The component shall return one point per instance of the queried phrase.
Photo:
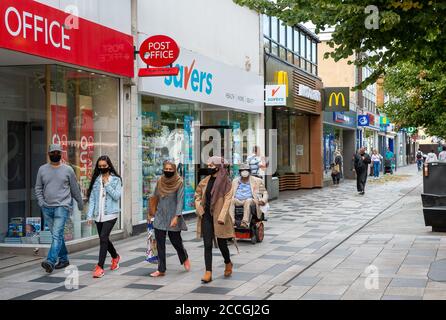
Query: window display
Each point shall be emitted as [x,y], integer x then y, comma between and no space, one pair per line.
[49,104]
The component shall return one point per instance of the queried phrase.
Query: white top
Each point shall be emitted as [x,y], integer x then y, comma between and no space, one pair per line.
[431,157]
[102,217]
[442,156]
[376,158]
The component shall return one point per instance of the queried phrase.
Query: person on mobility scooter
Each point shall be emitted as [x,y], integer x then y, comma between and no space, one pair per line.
[249,194]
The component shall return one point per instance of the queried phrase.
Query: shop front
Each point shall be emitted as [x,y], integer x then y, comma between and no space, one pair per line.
[299,127]
[339,135]
[209,108]
[54,88]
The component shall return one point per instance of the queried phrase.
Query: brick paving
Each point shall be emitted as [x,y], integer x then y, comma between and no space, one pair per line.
[319,244]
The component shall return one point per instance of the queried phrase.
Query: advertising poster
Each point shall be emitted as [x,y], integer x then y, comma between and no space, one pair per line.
[59,122]
[189,169]
[86,152]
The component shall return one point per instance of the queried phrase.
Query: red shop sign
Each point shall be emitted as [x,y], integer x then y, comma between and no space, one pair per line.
[31,27]
[159,51]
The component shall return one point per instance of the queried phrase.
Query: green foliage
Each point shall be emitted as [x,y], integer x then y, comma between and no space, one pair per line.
[419,96]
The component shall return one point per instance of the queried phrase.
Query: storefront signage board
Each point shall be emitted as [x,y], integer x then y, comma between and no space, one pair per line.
[309,93]
[336,99]
[275,95]
[363,120]
[201,79]
[34,28]
[159,52]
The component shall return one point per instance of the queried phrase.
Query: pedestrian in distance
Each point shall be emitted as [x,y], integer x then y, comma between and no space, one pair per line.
[431,157]
[420,159]
[104,194]
[55,188]
[169,217]
[442,155]
[361,164]
[212,200]
[335,173]
[376,162]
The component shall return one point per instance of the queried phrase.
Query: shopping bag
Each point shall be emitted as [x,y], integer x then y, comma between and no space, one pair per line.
[151,252]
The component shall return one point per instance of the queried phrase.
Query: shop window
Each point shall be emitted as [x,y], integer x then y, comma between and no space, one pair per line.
[167,134]
[56,104]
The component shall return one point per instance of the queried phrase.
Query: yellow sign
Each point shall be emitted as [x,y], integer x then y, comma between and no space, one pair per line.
[337,97]
[281,78]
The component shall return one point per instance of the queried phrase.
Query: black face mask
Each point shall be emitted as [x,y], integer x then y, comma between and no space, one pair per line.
[209,171]
[169,174]
[55,158]
[104,170]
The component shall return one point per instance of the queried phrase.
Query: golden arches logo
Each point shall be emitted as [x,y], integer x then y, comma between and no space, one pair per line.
[337,97]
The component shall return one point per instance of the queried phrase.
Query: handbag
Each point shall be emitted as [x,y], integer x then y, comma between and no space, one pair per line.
[153,205]
[152,250]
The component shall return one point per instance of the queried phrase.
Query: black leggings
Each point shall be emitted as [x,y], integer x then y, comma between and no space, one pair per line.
[207,228]
[104,230]
[177,242]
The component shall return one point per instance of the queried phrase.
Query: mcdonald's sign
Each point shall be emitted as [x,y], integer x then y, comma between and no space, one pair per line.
[336,99]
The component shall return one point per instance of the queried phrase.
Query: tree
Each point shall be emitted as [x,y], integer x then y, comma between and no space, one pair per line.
[418,96]
[406,30]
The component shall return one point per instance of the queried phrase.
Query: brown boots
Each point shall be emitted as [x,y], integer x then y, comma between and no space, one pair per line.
[228,269]
[207,277]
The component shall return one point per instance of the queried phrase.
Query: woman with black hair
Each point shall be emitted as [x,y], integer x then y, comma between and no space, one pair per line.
[104,194]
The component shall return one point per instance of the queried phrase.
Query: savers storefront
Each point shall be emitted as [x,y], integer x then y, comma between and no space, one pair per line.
[60,82]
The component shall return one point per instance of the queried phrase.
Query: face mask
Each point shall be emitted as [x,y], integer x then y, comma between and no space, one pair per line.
[210,171]
[55,158]
[169,174]
[104,170]
[244,174]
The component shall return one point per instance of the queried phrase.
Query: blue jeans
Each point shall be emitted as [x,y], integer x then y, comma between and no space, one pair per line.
[419,164]
[55,218]
[376,169]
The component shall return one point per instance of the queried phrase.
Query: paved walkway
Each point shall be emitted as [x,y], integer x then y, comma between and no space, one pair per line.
[327,243]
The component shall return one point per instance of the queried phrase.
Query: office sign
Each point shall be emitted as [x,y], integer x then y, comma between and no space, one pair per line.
[160,52]
[363,121]
[336,99]
[34,28]
[275,95]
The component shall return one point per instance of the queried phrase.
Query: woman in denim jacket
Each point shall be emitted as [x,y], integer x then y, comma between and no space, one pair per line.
[104,194]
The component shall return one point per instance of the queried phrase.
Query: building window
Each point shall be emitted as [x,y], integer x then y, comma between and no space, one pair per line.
[267,26]
[289,35]
[274,30]
[282,35]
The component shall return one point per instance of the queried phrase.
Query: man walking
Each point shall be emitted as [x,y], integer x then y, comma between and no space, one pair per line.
[420,158]
[56,186]
[361,163]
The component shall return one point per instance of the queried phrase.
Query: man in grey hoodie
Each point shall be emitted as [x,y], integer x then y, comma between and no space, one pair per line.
[56,186]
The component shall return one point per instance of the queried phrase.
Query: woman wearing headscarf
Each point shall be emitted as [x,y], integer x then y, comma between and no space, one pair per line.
[169,217]
[212,200]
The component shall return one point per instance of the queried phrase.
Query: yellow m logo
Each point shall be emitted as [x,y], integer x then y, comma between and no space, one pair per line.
[337,97]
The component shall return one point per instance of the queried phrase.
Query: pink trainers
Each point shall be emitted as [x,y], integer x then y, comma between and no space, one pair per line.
[98,272]
[115,263]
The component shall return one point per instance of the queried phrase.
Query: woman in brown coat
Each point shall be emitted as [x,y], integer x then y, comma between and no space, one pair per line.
[212,200]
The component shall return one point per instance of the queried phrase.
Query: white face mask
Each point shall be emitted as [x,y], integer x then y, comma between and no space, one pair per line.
[244,174]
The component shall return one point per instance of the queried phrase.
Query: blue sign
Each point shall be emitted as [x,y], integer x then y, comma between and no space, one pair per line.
[363,121]
[340,117]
